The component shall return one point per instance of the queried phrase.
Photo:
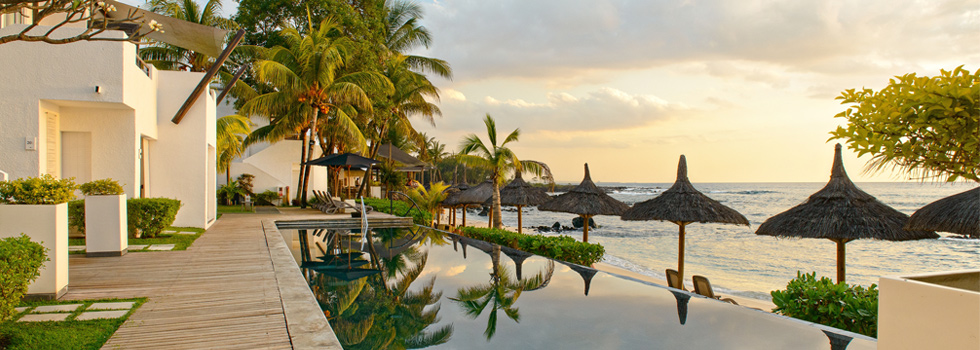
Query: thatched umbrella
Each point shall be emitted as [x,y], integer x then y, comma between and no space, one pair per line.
[452,193]
[519,193]
[682,204]
[959,213]
[474,195]
[586,200]
[841,213]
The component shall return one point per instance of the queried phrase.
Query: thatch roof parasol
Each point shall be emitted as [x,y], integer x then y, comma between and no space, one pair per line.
[586,200]
[841,213]
[959,213]
[519,194]
[473,195]
[682,204]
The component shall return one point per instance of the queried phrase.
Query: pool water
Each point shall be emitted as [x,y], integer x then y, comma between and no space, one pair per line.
[414,288]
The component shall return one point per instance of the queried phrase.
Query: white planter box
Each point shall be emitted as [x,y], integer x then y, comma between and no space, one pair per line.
[48,225]
[930,311]
[105,226]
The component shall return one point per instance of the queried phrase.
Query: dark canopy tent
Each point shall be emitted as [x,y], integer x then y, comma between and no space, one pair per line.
[841,212]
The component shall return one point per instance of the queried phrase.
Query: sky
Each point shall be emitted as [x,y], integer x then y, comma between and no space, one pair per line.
[744,89]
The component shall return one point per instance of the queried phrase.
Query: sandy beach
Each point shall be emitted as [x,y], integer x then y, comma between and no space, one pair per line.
[623,273]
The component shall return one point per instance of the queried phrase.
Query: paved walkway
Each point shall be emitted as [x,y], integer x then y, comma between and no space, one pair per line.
[232,289]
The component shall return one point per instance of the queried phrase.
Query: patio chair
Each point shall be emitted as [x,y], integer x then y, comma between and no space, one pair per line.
[674,280]
[340,205]
[703,287]
[324,203]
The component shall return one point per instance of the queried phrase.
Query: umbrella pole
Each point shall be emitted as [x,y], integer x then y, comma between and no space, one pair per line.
[464,215]
[520,222]
[840,259]
[680,254]
[585,232]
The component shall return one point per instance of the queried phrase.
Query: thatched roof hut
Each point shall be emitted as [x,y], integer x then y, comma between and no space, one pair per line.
[682,204]
[959,213]
[586,200]
[519,194]
[841,212]
[474,195]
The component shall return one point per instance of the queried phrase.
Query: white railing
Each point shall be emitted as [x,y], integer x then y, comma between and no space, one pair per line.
[3,176]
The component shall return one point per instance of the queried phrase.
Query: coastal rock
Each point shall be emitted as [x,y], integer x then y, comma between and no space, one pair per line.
[577,222]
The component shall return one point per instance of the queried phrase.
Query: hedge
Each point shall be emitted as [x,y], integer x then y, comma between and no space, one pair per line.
[20,260]
[839,305]
[398,208]
[562,248]
[76,215]
[37,190]
[104,187]
[150,216]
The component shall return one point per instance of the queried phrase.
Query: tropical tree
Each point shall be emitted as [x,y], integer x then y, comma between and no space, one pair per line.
[63,12]
[501,293]
[498,159]
[306,84]
[230,136]
[926,126]
[429,199]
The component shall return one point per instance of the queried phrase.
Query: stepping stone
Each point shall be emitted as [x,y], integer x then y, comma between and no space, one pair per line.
[137,247]
[56,308]
[159,247]
[122,305]
[168,232]
[44,317]
[76,248]
[22,309]
[92,315]
[186,233]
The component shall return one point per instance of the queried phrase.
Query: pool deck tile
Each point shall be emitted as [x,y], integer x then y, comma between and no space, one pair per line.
[231,289]
[93,315]
[56,308]
[44,317]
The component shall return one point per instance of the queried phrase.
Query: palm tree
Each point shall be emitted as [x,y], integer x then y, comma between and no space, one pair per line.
[501,293]
[498,159]
[429,199]
[304,77]
[230,135]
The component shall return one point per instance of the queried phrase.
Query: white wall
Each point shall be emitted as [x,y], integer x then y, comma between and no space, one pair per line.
[276,166]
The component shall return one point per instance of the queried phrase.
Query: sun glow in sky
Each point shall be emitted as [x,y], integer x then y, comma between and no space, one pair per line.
[745,89]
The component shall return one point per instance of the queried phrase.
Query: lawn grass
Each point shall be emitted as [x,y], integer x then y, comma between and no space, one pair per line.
[180,242]
[226,209]
[90,334]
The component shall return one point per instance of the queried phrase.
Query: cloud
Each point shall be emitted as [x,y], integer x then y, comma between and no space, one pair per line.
[569,39]
[602,109]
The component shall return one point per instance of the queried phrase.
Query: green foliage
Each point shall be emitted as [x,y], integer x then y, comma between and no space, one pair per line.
[926,126]
[228,192]
[37,190]
[150,216]
[848,307]
[20,260]
[562,248]
[398,208]
[268,197]
[391,178]
[76,215]
[64,335]
[429,199]
[244,182]
[101,188]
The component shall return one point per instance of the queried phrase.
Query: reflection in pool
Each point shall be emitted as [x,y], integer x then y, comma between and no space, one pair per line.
[415,288]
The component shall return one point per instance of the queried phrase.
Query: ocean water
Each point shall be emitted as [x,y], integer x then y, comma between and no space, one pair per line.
[737,261]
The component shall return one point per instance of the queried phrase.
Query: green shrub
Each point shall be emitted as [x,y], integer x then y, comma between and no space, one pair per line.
[20,260]
[76,215]
[848,307]
[104,187]
[398,208]
[227,193]
[37,190]
[150,216]
[562,248]
[268,197]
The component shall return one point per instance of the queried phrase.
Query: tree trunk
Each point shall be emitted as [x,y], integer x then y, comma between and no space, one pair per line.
[302,159]
[309,157]
[496,203]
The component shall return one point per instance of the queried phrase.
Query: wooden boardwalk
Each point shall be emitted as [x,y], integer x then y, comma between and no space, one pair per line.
[224,292]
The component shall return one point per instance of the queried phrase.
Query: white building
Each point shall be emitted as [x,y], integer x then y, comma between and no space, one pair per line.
[92,110]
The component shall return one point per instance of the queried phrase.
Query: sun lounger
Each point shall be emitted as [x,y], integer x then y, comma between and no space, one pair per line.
[703,287]
[674,280]
[341,205]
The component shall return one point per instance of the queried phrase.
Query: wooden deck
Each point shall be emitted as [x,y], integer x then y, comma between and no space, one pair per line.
[234,288]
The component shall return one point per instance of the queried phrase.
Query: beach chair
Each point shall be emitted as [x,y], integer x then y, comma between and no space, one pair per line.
[703,287]
[341,205]
[674,280]
[324,203]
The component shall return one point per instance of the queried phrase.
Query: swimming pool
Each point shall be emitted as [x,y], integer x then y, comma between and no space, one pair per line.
[418,287]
